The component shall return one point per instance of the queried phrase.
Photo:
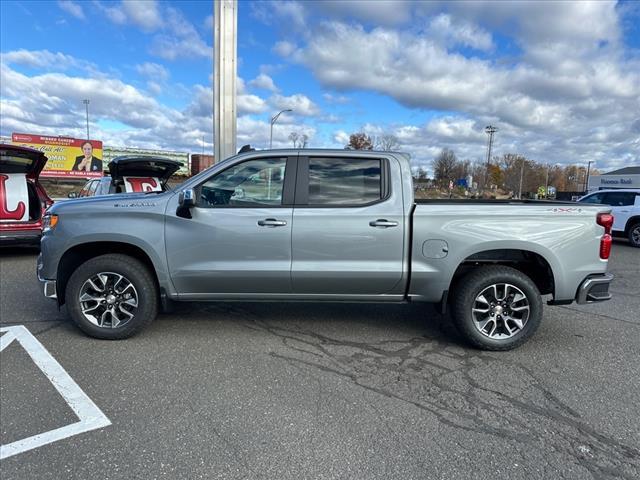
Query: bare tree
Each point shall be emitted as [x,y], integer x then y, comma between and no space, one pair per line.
[387,142]
[293,136]
[444,166]
[359,141]
[299,140]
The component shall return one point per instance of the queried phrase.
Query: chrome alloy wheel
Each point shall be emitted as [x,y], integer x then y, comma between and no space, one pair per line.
[500,311]
[108,300]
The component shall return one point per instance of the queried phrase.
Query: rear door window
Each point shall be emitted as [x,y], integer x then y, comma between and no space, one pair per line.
[619,199]
[345,181]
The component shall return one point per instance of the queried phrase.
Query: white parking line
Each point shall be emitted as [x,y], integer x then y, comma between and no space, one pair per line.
[91,417]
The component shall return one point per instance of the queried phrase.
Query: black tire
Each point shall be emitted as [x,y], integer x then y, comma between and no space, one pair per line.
[136,273]
[471,285]
[634,235]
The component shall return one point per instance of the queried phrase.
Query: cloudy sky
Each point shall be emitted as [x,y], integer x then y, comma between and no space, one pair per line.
[561,81]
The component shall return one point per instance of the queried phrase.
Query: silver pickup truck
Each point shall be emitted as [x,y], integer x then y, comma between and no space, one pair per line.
[322,225]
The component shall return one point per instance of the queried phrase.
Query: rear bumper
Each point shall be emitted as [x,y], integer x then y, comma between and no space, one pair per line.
[595,288]
[20,237]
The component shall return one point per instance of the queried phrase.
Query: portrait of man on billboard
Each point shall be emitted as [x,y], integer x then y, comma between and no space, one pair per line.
[87,162]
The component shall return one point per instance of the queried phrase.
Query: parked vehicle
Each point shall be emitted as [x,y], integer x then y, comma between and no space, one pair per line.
[322,225]
[131,175]
[23,200]
[625,207]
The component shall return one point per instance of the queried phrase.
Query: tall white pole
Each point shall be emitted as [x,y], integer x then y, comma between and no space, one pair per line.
[225,45]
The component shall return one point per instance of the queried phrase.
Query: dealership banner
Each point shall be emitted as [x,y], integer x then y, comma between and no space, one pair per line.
[68,157]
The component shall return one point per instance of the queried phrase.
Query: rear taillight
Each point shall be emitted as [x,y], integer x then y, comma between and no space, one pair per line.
[605,246]
[605,220]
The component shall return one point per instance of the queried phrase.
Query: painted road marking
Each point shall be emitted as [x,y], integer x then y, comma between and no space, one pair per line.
[91,417]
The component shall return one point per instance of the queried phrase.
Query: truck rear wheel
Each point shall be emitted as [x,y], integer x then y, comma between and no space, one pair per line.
[497,308]
[112,297]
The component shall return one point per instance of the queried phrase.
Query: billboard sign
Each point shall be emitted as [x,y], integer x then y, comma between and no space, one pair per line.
[68,157]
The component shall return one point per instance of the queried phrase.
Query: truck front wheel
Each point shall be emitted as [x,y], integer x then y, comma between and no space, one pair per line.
[112,296]
[496,308]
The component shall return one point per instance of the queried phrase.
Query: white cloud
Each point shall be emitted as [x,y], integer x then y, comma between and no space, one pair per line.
[284,48]
[43,59]
[291,14]
[256,132]
[115,14]
[179,39]
[549,102]
[143,13]
[336,99]
[341,137]
[299,103]
[248,103]
[379,12]
[153,71]
[175,37]
[72,8]
[263,81]
[154,87]
[208,22]
[453,33]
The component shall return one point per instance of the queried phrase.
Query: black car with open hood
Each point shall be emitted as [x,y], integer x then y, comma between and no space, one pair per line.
[129,166]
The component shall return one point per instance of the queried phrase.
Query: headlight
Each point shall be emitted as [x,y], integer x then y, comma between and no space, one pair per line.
[49,222]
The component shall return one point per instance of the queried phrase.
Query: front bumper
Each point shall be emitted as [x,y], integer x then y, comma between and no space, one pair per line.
[595,288]
[49,287]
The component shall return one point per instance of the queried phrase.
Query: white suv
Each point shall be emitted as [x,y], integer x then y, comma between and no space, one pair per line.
[625,206]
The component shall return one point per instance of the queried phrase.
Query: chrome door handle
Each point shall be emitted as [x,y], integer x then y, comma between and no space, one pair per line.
[272,222]
[381,222]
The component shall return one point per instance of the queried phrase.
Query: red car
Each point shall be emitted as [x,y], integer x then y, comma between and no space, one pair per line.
[22,198]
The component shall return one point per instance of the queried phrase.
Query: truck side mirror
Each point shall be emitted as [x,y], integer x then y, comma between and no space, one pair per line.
[72,195]
[186,200]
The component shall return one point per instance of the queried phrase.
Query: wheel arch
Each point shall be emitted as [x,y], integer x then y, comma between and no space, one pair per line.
[80,253]
[530,263]
[630,222]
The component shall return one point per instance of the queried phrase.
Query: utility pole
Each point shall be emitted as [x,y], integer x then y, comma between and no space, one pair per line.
[489,129]
[521,176]
[225,45]
[86,104]
[274,119]
[586,180]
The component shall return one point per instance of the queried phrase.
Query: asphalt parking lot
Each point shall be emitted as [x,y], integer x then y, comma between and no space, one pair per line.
[292,391]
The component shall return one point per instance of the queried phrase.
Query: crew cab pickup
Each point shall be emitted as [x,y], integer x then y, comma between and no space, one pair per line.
[322,225]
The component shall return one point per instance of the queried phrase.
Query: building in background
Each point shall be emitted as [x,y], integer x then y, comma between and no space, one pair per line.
[627,177]
[200,162]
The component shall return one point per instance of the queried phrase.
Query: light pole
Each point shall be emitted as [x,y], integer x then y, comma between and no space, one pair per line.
[586,180]
[86,104]
[274,119]
[490,129]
